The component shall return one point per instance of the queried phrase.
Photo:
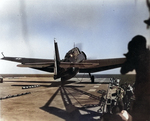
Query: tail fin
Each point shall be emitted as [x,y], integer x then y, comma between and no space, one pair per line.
[57,61]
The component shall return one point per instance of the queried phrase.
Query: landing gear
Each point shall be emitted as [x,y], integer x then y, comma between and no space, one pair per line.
[92,78]
[63,81]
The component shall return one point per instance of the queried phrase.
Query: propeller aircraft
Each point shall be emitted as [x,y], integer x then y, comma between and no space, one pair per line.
[75,61]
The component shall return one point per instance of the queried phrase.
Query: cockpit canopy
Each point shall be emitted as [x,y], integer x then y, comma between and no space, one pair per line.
[74,55]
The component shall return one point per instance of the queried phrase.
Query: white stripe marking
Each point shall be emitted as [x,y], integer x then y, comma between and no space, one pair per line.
[92,90]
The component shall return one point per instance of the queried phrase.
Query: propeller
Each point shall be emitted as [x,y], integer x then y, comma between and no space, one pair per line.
[79,45]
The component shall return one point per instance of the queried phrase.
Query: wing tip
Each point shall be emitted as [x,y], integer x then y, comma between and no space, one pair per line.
[3,54]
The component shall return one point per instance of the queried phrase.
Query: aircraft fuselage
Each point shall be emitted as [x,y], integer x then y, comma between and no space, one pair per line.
[73,56]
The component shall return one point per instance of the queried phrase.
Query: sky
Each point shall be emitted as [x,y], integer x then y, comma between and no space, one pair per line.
[102,27]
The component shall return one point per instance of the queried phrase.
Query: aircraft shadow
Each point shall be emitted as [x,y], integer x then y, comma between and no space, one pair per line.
[93,83]
[30,81]
[34,81]
[72,113]
[52,83]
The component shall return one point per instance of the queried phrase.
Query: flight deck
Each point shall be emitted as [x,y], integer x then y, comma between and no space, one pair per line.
[44,99]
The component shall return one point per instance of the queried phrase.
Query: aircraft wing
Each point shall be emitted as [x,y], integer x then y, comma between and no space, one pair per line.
[90,66]
[86,66]
[40,64]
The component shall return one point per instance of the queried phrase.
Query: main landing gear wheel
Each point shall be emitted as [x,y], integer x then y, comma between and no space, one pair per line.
[92,78]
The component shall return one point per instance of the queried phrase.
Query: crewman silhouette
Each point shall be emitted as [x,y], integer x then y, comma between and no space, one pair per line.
[138,58]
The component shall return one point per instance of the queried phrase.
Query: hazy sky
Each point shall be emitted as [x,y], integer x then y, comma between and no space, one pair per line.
[104,27]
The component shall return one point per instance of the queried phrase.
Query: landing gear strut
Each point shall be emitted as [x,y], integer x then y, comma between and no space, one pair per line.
[92,78]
